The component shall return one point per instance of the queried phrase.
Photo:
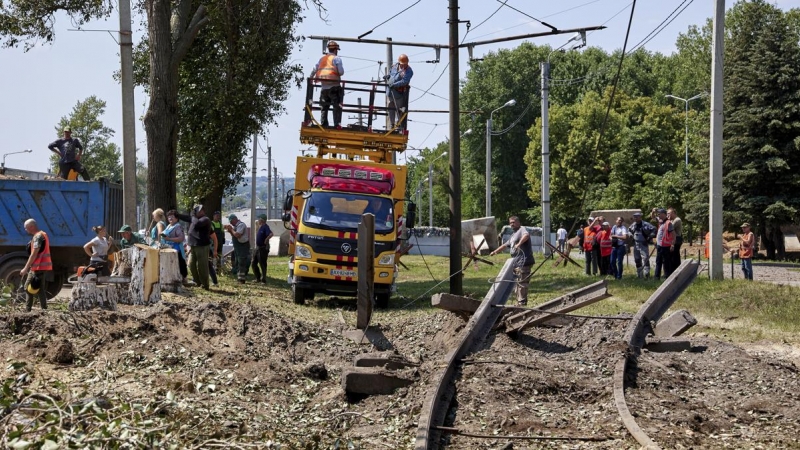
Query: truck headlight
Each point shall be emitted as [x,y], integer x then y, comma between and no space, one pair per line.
[387,260]
[302,252]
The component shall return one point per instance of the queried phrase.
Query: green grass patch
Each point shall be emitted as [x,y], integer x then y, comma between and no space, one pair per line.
[734,309]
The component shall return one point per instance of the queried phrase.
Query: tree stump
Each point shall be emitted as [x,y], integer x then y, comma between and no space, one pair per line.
[87,294]
[169,272]
[144,288]
[122,263]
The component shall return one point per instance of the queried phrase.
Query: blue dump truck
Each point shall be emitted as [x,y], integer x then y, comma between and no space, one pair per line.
[66,211]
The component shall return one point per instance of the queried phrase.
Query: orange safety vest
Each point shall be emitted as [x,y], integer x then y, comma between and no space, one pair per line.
[746,248]
[605,242]
[326,69]
[668,238]
[42,261]
[588,237]
[708,244]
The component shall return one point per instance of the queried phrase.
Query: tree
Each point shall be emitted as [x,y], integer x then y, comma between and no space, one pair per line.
[233,83]
[100,157]
[762,126]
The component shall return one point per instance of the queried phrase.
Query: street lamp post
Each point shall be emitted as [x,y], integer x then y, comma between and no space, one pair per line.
[545,67]
[511,102]
[686,110]
[3,165]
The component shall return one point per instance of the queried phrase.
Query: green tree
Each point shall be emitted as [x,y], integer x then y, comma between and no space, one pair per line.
[234,82]
[762,126]
[100,157]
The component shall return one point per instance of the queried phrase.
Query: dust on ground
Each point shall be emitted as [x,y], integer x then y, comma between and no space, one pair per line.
[219,374]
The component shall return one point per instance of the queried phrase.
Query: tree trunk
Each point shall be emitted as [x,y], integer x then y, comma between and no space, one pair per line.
[161,118]
[772,240]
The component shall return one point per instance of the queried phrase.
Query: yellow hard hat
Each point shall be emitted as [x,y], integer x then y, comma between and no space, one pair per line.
[35,285]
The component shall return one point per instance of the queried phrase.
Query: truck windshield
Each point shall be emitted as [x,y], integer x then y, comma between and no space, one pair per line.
[342,211]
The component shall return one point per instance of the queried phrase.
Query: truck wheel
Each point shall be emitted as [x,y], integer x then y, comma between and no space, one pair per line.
[308,294]
[299,295]
[54,287]
[9,272]
[382,300]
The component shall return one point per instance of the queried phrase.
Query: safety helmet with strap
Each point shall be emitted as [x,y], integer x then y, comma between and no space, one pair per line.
[333,46]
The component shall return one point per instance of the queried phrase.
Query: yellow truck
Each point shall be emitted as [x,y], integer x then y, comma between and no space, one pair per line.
[351,174]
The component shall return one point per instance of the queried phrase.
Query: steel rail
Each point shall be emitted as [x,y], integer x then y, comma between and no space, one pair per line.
[640,326]
[437,400]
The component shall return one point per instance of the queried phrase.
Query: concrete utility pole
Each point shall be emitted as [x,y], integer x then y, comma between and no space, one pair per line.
[253,228]
[275,183]
[715,158]
[389,60]
[545,66]
[455,158]
[128,114]
[269,182]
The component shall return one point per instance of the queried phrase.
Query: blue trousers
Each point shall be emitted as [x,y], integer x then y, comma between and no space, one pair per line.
[617,258]
[747,268]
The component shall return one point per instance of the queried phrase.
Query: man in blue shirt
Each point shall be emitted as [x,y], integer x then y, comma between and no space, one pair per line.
[68,157]
[397,88]
[263,236]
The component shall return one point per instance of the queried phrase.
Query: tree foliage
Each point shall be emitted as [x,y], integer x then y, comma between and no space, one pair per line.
[100,157]
[232,84]
[762,126]
[31,21]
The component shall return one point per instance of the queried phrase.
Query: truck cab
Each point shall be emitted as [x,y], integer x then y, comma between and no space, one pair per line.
[352,174]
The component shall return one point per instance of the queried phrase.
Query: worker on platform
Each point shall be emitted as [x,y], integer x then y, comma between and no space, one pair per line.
[37,266]
[397,89]
[329,70]
[69,151]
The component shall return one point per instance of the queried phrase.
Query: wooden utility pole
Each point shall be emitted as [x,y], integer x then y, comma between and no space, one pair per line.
[456,276]
[366,270]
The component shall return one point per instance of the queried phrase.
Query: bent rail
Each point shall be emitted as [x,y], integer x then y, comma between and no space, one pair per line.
[650,312]
[480,324]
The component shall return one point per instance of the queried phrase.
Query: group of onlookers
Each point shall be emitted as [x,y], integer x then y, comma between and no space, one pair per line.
[605,245]
[199,250]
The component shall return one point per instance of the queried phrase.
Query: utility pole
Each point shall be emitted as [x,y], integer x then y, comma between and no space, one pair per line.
[253,228]
[715,158]
[455,158]
[488,206]
[389,60]
[545,65]
[269,181]
[275,185]
[128,114]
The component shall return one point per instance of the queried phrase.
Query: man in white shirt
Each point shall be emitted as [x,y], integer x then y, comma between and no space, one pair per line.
[241,246]
[561,235]
[619,237]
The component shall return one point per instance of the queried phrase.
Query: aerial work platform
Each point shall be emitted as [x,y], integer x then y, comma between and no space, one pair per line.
[356,141]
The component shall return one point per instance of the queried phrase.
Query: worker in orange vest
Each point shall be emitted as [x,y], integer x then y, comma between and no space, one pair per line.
[589,242]
[604,238]
[38,265]
[329,71]
[746,251]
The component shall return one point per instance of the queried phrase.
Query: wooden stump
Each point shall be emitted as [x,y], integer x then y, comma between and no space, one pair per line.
[144,288]
[122,263]
[169,272]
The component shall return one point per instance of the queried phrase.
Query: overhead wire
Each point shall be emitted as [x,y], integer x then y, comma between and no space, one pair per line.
[655,33]
[390,18]
[543,17]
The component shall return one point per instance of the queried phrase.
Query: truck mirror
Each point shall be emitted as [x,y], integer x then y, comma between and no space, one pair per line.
[411,215]
[287,204]
[286,217]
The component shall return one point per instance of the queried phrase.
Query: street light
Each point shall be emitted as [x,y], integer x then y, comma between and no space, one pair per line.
[686,104]
[430,186]
[511,102]
[545,67]
[3,165]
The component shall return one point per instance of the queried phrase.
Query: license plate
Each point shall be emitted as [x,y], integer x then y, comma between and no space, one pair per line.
[343,273]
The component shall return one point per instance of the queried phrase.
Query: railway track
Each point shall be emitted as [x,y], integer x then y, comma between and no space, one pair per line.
[436,428]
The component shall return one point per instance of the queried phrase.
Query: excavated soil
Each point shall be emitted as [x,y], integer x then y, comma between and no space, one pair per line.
[245,374]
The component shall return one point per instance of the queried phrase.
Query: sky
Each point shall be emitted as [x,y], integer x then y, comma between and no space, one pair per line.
[42,85]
